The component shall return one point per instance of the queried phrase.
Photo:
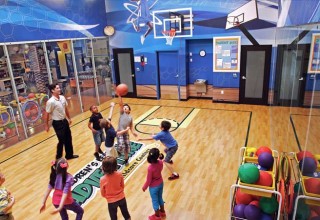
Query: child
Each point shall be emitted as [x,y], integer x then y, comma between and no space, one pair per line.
[94,126]
[61,181]
[125,121]
[6,201]
[111,134]
[155,183]
[171,146]
[112,188]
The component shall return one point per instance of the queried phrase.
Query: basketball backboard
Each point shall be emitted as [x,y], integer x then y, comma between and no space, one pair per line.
[243,14]
[179,19]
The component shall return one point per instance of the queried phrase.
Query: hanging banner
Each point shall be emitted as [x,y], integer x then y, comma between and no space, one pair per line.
[314,58]
[226,54]
[64,46]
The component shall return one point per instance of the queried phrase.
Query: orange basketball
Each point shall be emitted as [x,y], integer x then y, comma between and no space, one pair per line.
[122,89]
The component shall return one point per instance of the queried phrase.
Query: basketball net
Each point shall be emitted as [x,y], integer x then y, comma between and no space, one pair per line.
[169,35]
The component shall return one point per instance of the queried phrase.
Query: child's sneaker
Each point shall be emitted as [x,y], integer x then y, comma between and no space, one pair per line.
[162,214]
[96,155]
[101,152]
[173,177]
[154,217]
[171,162]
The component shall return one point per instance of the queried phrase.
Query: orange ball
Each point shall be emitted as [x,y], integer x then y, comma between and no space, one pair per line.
[122,89]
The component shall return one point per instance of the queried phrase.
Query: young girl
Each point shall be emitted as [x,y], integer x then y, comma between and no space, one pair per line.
[112,188]
[6,201]
[155,183]
[61,181]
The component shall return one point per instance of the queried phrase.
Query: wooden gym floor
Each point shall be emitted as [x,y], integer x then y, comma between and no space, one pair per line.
[209,138]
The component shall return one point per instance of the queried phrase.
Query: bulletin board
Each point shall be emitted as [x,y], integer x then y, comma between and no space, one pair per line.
[226,54]
[314,59]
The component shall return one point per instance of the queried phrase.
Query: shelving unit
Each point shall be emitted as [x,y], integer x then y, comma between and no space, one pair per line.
[5,84]
[8,126]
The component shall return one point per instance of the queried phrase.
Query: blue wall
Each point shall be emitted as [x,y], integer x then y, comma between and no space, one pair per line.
[209,21]
[33,20]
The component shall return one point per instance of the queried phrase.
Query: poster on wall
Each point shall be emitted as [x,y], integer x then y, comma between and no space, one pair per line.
[226,54]
[314,59]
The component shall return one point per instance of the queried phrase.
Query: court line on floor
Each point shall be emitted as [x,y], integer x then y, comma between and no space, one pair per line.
[54,135]
[248,130]
[34,145]
[295,133]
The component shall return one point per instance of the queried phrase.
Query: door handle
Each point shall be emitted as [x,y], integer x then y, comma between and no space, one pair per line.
[301,79]
[132,75]
[243,77]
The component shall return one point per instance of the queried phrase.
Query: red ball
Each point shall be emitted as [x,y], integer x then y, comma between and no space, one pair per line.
[8,131]
[312,185]
[21,98]
[315,208]
[265,179]
[255,203]
[263,149]
[122,89]
[27,113]
[34,112]
[31,95]
[303,154]
[243,198]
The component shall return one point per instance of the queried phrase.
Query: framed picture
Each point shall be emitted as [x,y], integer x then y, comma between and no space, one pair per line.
[226,54]
[314,58]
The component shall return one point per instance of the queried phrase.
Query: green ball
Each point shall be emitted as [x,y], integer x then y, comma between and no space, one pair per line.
[268,205]
[11,125]
[303,211]
[297,188]
[248,173]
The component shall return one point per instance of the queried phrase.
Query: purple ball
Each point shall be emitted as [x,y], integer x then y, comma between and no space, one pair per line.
[266,160]
[252,212]
[238,211]
[307,166]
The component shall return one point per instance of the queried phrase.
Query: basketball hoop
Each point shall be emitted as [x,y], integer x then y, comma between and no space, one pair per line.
[233,21]
[169,35]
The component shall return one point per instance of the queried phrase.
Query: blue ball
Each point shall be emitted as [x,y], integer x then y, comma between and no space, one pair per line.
[266,217]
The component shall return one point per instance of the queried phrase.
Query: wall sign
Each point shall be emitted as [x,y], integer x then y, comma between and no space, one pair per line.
[314,59]
[226,54]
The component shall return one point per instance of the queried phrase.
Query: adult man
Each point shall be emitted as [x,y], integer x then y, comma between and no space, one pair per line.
[57,107]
